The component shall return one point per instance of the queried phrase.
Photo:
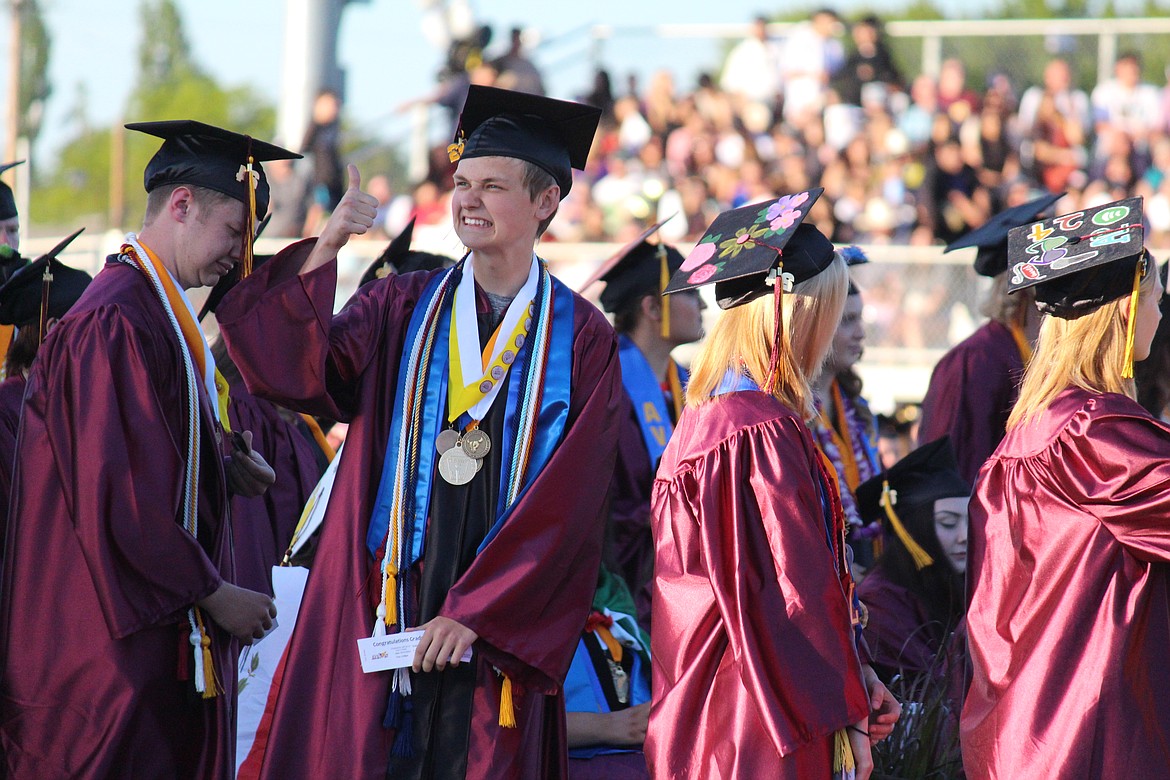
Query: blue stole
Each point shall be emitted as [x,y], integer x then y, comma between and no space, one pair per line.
[645,392]
[550,389]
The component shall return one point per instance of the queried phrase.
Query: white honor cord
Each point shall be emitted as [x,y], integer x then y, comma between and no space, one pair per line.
[467,326]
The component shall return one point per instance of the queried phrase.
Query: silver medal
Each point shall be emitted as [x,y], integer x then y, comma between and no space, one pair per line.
[476,444]
[456,468]
[446,440]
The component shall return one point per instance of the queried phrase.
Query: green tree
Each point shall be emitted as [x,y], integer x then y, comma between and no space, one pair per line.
[34,68]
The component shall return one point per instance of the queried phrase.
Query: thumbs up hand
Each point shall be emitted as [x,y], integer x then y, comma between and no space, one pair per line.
[354,215]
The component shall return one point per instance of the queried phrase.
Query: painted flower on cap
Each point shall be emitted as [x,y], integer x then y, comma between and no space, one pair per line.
[703,274]
[745,238]
[700,254]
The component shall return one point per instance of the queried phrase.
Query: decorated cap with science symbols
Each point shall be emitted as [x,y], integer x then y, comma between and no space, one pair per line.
[1078,262]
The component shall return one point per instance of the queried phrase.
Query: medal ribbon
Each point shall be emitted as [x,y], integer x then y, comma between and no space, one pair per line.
[485,369]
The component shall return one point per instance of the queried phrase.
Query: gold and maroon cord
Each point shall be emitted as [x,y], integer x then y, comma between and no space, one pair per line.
[250,222]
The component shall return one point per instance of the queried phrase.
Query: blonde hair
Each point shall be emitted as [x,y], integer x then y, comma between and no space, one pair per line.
[741,340]
[1087,352]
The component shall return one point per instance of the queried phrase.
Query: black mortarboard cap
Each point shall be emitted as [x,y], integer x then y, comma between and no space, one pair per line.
[742,247]
[928,473]
[1079,261]
[991,237]
[398,258]
[20,297]
[7,200]
[552,134]
[203,155]
[635,270]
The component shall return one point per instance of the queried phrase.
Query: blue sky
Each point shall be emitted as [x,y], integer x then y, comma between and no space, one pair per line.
[381,46]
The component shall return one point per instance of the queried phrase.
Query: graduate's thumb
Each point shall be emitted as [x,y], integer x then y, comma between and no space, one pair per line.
[355,178]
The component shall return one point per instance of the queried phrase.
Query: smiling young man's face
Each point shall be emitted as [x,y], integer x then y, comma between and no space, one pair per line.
[491,207]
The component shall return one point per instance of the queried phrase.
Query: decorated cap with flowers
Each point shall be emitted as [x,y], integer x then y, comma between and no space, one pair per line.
[746,250]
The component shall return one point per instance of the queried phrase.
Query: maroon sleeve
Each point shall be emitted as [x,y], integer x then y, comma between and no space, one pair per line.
[775,584]
[528,592]
[117,448]
[290,348]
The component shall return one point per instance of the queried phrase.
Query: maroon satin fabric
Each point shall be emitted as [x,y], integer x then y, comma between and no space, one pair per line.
[527,594]
[264,525]
[1070,621]
[754,661]
[11,398]
[971,393]
[629,549]
[99,571]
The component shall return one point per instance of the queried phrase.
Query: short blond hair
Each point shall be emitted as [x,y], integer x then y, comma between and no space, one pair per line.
[741,340]
[1086,352]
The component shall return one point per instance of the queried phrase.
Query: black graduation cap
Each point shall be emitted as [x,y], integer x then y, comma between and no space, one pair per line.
[552,134]
[398,258]
[635,270]
[743,246]
[7,200]
[21,295]
[207,156]
[1079,261]
[991,237]
[925,475]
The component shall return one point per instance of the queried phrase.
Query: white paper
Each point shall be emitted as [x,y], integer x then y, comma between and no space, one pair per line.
[393,651]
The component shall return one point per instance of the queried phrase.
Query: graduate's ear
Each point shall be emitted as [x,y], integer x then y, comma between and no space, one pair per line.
[547,203]
[652,308]
[180,204]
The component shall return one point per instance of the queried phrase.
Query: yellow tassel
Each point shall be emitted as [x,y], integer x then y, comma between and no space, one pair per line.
[224,400]
[391,594]
[663,280]
[507,710]
[455,150]
[250,228]
[210,683]
[921,557]
[1127,368]
[842,753]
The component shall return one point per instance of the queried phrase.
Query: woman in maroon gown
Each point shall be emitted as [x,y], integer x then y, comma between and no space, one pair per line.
[1070,617]
[914,594]
[755,665]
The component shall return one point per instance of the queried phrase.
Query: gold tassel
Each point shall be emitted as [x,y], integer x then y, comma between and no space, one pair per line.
[391,594]
[210,683]
[507,710]
[842,753]
[921,557]
[663,280]
[250,228]
[1127,368]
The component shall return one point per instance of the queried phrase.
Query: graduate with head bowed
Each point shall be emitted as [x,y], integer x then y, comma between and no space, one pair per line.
[120,529]
[754,645]
[1070,616]
[649,327]
[974,385]
[914,595]
[468,502]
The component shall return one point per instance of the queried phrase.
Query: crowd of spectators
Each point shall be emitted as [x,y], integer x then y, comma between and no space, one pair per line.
[904,158]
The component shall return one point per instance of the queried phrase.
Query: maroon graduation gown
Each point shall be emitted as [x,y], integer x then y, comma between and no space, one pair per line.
[99,571]
[900,633]
[1070,620]
[264,525]
[629,544]
[526,595]
[754,659]
[11,398]
[971,393]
